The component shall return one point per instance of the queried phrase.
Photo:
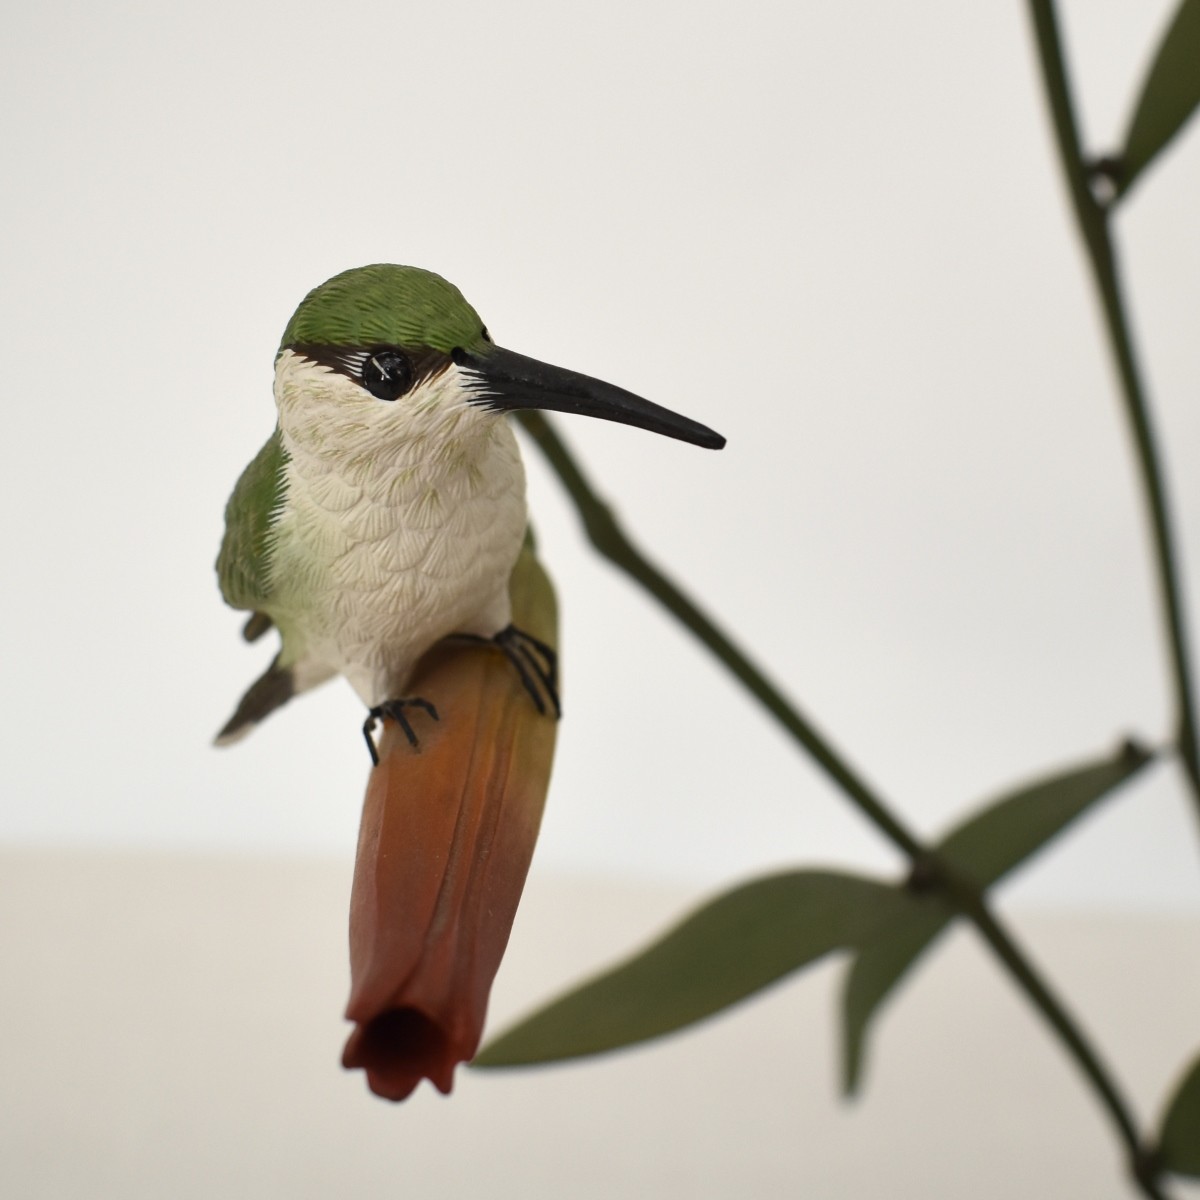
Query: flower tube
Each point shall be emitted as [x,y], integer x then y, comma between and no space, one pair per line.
[447,835]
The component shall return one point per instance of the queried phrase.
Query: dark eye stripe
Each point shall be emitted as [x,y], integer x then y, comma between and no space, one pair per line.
[349,360]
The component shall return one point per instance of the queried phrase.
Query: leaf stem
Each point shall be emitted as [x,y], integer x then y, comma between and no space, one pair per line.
[1140,1161]
[610,540]
[1092,216]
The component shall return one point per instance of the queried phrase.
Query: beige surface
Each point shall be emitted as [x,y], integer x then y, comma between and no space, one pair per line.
[171,1027]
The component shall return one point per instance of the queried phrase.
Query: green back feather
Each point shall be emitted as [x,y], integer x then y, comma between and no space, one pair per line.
[386,305]
[242,565]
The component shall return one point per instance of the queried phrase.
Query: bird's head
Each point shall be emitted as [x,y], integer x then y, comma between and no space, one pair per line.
[390,352]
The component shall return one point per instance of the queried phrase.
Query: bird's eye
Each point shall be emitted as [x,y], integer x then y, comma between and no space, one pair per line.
[387,373]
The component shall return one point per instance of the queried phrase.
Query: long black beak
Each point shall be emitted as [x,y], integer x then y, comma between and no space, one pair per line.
[507,380]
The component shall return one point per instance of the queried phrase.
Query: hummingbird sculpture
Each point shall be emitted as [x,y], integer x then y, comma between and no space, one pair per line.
[387,510]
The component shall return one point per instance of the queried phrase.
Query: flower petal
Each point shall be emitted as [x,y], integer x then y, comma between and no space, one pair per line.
[447,835]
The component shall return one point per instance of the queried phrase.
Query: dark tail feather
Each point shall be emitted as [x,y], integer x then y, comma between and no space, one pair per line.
[267,693]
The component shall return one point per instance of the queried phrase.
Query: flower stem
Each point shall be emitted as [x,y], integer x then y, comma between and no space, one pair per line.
[610,540]
[1092,216]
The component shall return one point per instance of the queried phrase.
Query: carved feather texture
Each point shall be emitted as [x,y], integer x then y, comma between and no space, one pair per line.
[402,523]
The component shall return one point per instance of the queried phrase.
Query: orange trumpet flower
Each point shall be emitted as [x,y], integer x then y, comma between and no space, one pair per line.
[447,835]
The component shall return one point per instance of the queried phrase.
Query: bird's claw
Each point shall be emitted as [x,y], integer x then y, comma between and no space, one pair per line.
[536,665]
[395,710]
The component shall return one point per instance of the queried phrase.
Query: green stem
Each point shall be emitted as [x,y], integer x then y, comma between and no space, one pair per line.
[606,535]
[1093,220]
[1141,1164]
[611,541]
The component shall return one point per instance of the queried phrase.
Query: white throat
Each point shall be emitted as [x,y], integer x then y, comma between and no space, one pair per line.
[401,523]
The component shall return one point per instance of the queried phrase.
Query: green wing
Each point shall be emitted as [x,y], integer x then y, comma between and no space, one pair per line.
[249,516]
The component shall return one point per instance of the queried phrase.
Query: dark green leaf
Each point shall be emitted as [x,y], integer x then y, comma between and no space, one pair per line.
[1169,95]
[1179,1142]
[986,847]
[730,948]
[990,844]
[879,966]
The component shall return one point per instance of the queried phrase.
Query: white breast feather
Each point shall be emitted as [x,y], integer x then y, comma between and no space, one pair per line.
[402,523]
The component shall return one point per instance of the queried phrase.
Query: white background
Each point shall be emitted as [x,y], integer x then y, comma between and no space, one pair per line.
[834,232]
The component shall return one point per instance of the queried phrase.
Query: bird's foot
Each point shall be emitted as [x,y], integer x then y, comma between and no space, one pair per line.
[536,665]
[395,710]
